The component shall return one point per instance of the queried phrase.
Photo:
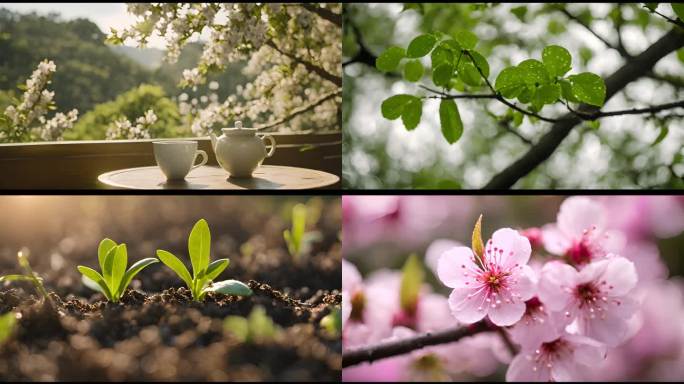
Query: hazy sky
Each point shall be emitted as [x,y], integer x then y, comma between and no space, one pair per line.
[105,15]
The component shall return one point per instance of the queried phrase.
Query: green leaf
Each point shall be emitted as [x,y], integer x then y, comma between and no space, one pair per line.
[108,266]
[8,322]
[678,9]
[442,74]
[533,72]
[412,276]
[566,91]
[525,95]
[421,45]
[199,243]
[510,82]
[332,322]
[413,71]
[412,113]
[176,265]
[519,12]
[238,326]
[215,268]
[97,278]
[469,74]
[477,243]
[118,268]
[680,54]
[548,94]
[261,326]
[441,55]
[14,278]
[661,136]
[230,287]
[450,120]
[393,106]
[466,39]
[91,284]
[105,246]
[132,271]
[557,60]
[593,124]
[389,60]
[480,61]
[588,88]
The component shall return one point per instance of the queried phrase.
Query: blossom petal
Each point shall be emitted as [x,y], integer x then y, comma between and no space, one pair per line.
[587,351]
[555,241]
[351,278]
[436,250]
[555,280]
[522,368]
[578,213]
[467,309]
[434,313]
[452,266]
[620,274]
[516,248]
[527,283]
[506,314]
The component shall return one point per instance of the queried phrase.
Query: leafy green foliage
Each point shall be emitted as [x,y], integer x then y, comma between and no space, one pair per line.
[203,271]
[113,260]
[131,104]
[678,9]
[257,327]
[7,323]
[412,277]
[457,65]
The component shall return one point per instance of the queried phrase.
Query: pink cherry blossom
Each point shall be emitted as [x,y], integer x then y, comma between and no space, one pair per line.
[597,297]
[538,325]
[499,288]
[579,233]
[645,217]
[563,359]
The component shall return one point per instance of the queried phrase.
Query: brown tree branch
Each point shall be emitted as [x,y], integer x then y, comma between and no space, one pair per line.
[619,48]
[337,80]
[399,347]
[633,69]
[324,13]
[299,111]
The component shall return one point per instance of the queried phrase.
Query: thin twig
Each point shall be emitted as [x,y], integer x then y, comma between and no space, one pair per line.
[303,109]
[676,22]
[324,13]
[586,26]
[320,71]
[399,347]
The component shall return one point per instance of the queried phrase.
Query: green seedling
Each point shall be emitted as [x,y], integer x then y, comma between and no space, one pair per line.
[297,239]
[203,272]
[29,275]
[114,280]
[332,322]
[7,323]
[258,326]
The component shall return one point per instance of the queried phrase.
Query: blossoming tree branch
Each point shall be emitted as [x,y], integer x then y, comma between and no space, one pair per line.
[525,88]
[294,50]
[554,316]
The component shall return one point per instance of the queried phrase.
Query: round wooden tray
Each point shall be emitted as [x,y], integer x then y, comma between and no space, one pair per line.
[206,177]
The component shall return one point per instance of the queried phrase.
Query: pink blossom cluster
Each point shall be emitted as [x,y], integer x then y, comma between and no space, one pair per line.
[584,298]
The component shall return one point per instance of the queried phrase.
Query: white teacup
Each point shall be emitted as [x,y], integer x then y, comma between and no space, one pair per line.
[177,158]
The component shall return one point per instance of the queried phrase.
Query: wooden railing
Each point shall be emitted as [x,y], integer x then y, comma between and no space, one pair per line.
[77,164]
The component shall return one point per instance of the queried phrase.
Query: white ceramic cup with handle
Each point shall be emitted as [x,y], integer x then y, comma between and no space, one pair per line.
[177,157]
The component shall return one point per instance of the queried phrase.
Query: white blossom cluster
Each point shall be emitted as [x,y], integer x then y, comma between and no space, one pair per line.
[282,42]
[124,129]
[27,121]
[53,129]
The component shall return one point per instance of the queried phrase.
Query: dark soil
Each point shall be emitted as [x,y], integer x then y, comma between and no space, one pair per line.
[167,336]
